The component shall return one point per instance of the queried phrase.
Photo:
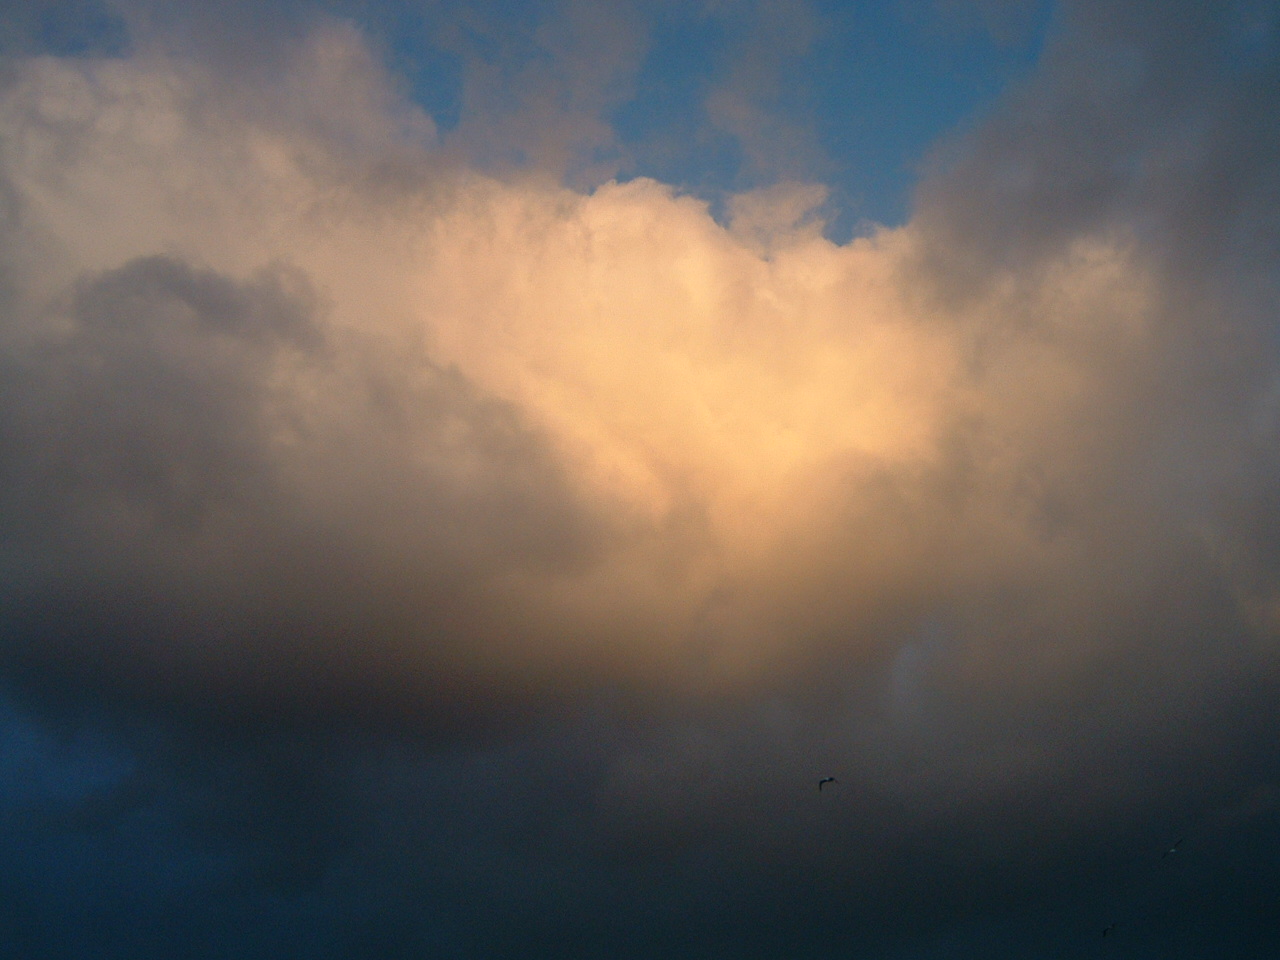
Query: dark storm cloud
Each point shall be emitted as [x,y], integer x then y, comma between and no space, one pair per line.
[151,528]
[1034,655]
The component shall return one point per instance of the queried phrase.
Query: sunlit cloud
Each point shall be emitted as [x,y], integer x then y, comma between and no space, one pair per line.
[285,357]
[463,488]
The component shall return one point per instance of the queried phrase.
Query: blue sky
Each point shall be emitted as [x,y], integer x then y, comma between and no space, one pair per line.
[868,90]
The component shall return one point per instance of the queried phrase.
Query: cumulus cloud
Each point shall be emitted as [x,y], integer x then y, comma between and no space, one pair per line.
[307,415]
[293,391]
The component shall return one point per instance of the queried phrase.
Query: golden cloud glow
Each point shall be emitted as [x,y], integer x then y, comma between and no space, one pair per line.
[765,442]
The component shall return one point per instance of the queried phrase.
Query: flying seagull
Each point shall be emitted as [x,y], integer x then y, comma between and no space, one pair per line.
[824,781]
[1173,849]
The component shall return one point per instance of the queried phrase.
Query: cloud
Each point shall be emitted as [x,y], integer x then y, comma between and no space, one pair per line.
[339,405]
[537,87]
[318,433]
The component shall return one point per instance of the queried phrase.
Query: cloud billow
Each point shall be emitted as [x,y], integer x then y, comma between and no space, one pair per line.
[312,424]
[408,396]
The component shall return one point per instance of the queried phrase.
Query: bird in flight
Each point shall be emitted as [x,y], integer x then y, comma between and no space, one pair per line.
[1106,931]
[1173,849]
[824,781]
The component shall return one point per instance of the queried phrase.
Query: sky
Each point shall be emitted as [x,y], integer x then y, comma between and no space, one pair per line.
[470,469]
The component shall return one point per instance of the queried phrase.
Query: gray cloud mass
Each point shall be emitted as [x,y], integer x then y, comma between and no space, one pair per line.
[410,555]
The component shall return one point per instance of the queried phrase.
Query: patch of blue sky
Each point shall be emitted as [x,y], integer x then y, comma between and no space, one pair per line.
[867,98]
[665,127]
[874,92]
[1254,35]
[878,86]
[886,90]
[63,28]
[434,75]
[431,45]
